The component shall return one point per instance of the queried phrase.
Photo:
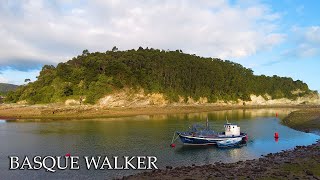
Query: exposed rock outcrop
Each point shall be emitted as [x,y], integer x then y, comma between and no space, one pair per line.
[127,98]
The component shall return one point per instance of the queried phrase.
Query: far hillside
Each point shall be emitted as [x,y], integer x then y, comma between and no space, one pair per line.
[4,88]
[173,73]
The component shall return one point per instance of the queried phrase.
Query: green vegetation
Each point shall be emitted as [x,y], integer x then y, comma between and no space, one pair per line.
[4,88]
[174,73]
[305,164]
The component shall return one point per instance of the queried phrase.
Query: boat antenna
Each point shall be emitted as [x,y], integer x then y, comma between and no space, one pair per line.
[207,123]
[227,119]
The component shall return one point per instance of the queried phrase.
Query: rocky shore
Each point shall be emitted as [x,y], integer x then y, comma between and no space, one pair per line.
[302,162]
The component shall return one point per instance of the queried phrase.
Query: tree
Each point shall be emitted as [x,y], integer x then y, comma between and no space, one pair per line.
[172,73]
[85,52]
[27,80]
[114,49]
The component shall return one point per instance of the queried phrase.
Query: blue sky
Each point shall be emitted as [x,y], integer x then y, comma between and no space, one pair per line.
[271,37]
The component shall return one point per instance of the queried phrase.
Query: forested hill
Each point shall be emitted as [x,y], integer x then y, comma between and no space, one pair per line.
[173,73]
[4,88]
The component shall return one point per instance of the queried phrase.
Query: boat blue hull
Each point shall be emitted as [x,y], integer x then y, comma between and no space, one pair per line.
[192,141]
[189,140]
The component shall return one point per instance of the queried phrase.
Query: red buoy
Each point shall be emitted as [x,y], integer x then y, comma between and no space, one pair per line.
[276,114]
[172,145]
[276,135]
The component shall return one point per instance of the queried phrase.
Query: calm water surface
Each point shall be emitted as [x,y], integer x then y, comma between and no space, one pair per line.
[141,135]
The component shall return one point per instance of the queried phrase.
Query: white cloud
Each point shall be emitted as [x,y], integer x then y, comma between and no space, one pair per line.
[312,34]
[306,42]
[3,80]
[52,31]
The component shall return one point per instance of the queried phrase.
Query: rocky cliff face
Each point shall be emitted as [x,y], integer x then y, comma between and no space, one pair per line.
[259,100]
[127,98]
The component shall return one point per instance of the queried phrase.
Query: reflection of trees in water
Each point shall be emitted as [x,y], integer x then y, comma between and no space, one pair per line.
[231,115]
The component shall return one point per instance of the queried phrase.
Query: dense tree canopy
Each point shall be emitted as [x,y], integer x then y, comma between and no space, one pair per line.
[174,73]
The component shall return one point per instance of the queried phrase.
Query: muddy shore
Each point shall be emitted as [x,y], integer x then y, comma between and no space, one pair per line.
[307,120]
[14,111]
[302,162]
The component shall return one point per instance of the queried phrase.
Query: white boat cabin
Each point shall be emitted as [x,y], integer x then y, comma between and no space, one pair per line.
[231,130]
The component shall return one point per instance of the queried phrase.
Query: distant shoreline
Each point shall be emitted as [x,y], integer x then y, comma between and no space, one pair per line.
[15,111]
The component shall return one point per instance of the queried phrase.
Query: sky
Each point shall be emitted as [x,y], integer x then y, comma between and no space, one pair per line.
[270,37]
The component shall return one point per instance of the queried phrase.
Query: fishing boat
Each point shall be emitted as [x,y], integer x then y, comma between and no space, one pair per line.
[203,135]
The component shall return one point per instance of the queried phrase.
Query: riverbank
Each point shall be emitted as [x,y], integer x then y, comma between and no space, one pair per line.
[52,111]
[306,120]
[302,162]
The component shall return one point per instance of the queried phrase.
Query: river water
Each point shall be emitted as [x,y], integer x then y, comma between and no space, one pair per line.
[140,135]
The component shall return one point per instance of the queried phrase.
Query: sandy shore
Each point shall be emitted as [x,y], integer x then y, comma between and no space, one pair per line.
[14,111]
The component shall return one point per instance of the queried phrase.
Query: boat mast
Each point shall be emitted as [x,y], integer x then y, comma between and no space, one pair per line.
[207,123]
